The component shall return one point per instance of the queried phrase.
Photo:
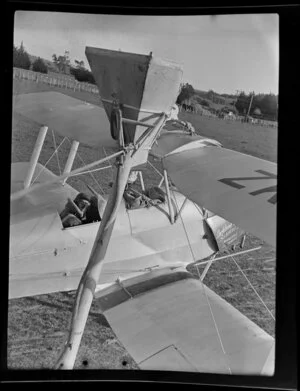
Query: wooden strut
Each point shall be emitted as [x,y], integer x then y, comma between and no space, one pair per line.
[142,180]
[161,182]
[207,267]
[89,279]
[35,155]
[71,158]
[58,179]
[87,285]
[171,211]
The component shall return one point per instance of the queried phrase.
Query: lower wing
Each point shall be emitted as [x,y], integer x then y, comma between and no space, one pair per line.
[168,320]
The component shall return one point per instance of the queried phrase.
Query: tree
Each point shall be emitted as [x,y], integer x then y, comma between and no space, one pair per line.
[268,105]
[210,95]
[62,62]
[81,74]
[186,92]
[21,58]
[243,102]
[39,66]
[205,103]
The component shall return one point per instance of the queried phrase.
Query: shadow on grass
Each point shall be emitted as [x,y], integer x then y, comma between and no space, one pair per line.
[65,306]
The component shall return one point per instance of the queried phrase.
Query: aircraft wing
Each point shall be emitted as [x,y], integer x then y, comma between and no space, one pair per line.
[168,320]
[240,188]
[70,117]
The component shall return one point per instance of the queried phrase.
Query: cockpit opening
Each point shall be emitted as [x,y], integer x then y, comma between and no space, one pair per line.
[82,210]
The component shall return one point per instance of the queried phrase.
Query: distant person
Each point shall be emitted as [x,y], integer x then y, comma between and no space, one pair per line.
[174,113]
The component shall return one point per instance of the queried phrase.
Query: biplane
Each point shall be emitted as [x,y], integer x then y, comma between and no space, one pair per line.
[134,261]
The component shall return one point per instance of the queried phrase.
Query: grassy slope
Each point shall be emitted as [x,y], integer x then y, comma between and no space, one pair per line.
[37,325]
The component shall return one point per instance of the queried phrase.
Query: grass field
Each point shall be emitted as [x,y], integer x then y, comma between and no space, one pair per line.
[37,325]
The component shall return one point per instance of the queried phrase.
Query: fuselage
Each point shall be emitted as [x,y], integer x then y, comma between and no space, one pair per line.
[45,257]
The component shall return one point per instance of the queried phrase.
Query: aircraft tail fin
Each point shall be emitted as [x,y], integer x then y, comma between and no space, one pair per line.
[143,86]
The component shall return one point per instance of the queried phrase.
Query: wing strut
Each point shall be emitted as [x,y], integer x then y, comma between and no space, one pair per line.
[35,155]
[90,277]
[131,156]
[71,158]
[171,211]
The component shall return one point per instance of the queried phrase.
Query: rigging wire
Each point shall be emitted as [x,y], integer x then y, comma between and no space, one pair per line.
[184,227]
[89,171]
[93,176]
[111,165]
[240,270]
[155,169]
[214,320]
[55,151]
[17,195]
[203,286]
[254,290]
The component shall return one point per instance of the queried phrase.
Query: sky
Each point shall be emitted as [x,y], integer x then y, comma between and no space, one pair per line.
[225,53]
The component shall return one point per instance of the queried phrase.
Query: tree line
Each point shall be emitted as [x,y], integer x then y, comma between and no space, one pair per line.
[21,59]
[264,105]
[61,64]
[257,105]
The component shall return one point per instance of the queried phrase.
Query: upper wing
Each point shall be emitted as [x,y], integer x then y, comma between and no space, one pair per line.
[168,320]
[51,195]
[240,188]
[68,116]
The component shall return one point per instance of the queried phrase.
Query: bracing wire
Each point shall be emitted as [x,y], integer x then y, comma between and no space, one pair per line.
[254,290]
[93,176]
[89,171]
[155,169]
[184,227]
[55,151]
[203,286]
[213,317]
[111,165]
[21,193]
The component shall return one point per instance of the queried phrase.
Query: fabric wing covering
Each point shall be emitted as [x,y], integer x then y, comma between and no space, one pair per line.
[70,117]
[168,320]
[238,187]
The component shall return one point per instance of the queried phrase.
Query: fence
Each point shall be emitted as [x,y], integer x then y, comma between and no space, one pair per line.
[59,80]
[228,118]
